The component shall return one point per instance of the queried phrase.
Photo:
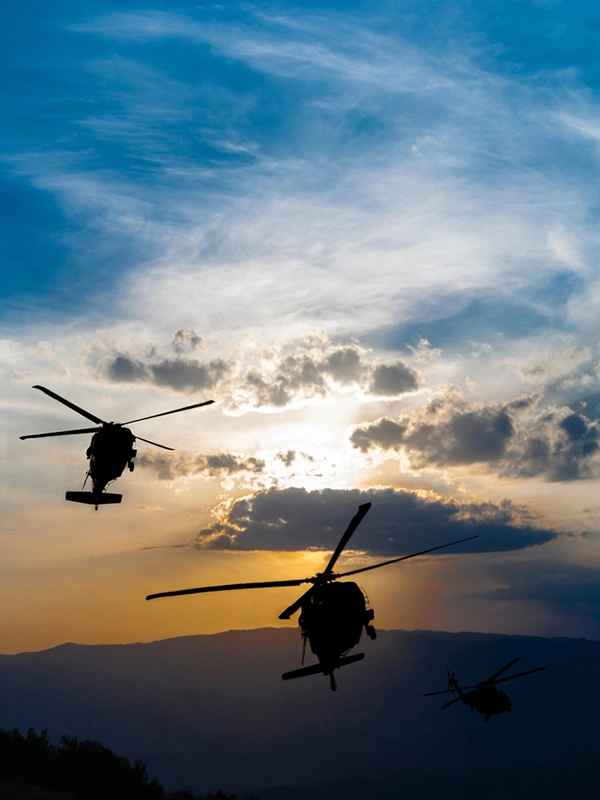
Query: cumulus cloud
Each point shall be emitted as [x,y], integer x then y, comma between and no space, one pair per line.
[389,380]
[178,374]
[214,465]
[518,438]
[344,366]
[312,369]
[283,375]
[399,522]
[295,377]
[559,445]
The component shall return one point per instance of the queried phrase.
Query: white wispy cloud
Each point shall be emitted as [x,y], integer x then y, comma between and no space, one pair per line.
[335,235]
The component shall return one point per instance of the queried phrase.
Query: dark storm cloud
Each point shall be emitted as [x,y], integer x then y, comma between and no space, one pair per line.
[398,523]
[516,439]
[215,465]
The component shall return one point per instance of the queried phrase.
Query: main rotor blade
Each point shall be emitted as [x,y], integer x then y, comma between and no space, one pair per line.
[290,610]
[165,413]
[519,675]
[227,587]
[71,405]
[450,702]
[354,523]
[156,444]
[59,433]
[402,558]
[500,671]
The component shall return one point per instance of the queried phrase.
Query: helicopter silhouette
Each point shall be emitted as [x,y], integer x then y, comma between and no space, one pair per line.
[484,697]
[332,615]
[110,451]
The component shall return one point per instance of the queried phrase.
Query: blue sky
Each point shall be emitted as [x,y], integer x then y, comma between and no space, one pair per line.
[368,232]
[156,109]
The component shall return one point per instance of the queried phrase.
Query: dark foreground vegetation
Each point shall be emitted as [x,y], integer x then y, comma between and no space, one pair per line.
[32,767]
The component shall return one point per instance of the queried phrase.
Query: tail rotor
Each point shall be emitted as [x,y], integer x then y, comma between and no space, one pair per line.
[451,682]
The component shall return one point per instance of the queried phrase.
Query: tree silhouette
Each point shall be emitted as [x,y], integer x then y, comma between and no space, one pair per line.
[86,770]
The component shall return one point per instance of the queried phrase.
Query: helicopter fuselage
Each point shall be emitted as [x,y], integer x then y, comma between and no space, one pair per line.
[332,619]
[486,700]
[110,451]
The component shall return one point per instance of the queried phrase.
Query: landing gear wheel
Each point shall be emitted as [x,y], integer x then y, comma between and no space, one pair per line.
[131,466]
[332,683]
[371,632]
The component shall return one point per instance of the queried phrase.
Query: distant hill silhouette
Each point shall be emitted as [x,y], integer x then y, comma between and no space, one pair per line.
[212,711]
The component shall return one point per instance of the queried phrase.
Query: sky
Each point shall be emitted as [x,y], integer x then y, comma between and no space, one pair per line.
[369,233]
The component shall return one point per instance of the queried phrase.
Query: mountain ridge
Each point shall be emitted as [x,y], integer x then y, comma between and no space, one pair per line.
[295,629]
[211,711]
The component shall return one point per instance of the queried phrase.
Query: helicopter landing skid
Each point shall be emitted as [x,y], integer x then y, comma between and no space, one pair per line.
[317,669]
[104,499]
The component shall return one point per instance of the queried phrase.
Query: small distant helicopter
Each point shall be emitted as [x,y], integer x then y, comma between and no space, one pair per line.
[332,615]
[110,451]
[484,697]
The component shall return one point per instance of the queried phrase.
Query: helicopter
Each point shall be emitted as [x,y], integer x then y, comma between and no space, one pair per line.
[332,615]
[484,697]
[110,451]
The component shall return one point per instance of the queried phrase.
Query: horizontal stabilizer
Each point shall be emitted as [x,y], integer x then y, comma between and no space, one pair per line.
[89,499]
[317,669]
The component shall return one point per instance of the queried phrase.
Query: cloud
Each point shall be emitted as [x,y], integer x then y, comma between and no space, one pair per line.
[461,437]
[287,458]
[518,439]
[283,375]
[566,588]
[314,368]
[399,522]
[559,445]
[389,380]
[213,465]
[287,46]
[179,374]
[243,219]
[186,338]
